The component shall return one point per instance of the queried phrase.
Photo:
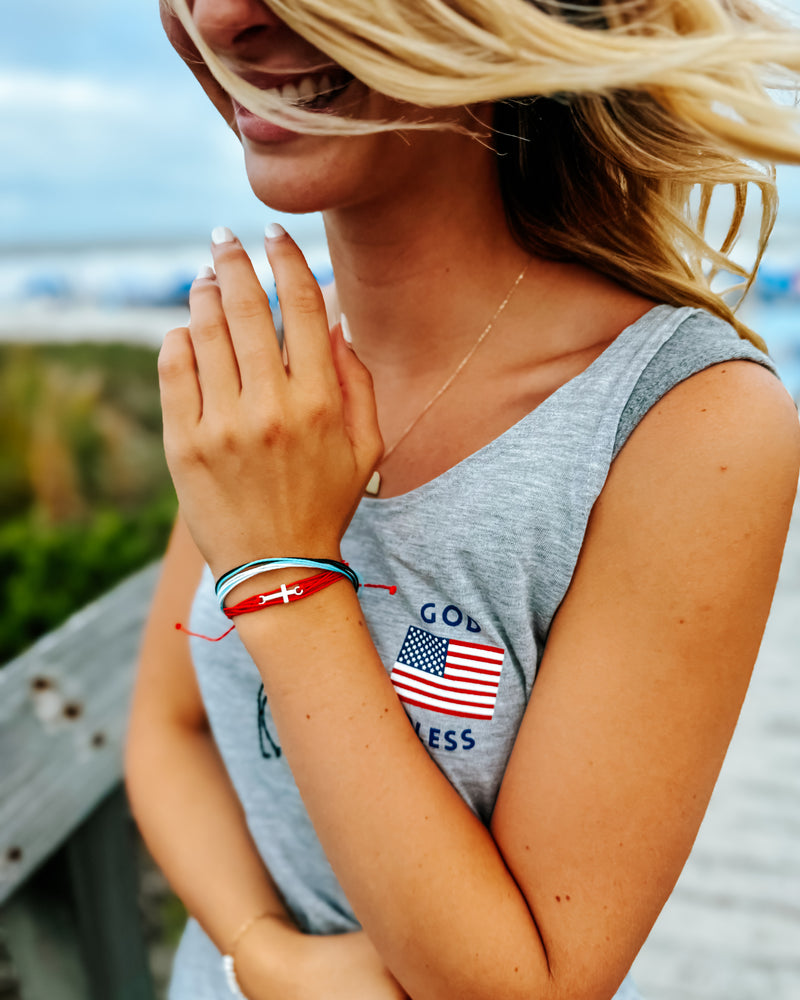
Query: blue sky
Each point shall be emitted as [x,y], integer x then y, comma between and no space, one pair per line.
[105,135]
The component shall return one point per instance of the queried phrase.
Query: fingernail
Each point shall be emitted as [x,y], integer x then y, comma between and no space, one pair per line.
[221,234]
[274,231]
[205,272]
[346,335]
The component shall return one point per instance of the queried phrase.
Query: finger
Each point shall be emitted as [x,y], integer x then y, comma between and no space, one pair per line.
[305,324]
[181,400]
[358,398]
[216,363]
[247,313]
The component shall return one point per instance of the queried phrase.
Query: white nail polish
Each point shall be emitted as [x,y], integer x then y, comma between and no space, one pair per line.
[274,231]
[221,234]
[205,272]
[346,335]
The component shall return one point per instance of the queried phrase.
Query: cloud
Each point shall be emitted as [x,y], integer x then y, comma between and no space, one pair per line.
[36,89]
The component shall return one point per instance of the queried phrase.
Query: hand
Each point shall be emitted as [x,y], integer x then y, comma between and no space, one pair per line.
[267,459]
[277,962]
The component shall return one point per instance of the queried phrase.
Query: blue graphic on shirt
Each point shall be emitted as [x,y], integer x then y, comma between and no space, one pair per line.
[269,747]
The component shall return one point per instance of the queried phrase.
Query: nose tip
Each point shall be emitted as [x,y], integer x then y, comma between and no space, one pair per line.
[230,25]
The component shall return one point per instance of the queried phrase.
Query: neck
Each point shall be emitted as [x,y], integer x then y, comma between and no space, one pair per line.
[420,274]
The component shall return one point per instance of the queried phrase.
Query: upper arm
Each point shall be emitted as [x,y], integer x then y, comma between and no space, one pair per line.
[166,687]
[645,669]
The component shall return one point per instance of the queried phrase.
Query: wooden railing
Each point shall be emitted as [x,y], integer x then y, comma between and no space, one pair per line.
[68,886]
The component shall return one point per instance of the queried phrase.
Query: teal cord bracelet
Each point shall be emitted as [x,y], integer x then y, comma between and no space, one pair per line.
[226,583]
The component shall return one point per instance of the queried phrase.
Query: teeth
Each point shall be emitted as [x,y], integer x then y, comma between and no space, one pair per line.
[303,91]
[306,90]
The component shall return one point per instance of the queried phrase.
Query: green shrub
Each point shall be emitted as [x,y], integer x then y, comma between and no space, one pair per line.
[48,571]
[85,496]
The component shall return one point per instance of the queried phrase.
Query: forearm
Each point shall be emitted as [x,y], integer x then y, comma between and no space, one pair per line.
[195,828]
[388,819]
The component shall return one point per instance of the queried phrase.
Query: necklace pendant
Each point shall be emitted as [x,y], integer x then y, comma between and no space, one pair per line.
[373,487]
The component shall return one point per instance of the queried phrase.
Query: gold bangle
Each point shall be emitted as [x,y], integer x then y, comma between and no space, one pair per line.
[237,937]
[227,960]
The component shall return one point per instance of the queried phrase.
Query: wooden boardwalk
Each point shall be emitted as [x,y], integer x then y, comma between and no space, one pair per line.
[731,930]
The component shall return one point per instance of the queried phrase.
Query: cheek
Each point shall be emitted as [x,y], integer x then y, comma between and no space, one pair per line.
[176,33]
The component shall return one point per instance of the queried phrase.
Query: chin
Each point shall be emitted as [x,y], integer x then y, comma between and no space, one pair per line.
[296,196]
[298,178]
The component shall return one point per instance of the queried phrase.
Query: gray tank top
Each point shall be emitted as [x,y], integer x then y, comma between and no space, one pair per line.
[482,557]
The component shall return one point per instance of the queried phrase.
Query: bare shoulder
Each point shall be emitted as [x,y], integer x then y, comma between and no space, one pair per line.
[731,430]
[699,500]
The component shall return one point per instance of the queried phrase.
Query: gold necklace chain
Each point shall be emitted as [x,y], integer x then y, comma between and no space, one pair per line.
[374,485]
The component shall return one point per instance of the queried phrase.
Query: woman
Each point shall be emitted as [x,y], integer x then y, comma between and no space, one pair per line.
[585,470]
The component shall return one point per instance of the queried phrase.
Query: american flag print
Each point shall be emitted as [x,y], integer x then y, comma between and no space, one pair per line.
[447,675]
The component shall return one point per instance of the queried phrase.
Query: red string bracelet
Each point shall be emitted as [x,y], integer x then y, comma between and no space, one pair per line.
[285,594]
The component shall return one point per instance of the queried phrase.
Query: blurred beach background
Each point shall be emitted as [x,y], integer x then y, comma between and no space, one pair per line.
[114,170]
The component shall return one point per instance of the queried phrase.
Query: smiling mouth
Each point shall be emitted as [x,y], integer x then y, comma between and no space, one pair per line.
[313,92]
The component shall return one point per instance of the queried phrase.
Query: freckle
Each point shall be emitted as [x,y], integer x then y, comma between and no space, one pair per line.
[723,468]
[558,899]
[366,746]
[308,716]
[527,847]
[516,968]
[567,898]
[703,410]
[385,710]
[681,621]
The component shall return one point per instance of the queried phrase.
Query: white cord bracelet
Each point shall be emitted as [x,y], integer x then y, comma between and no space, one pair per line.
[230,977]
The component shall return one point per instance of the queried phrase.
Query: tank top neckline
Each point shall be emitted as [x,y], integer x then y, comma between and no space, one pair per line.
[652,317]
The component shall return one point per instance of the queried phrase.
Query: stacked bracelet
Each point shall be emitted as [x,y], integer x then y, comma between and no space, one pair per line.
[285,594]
[332,571]
[234,577]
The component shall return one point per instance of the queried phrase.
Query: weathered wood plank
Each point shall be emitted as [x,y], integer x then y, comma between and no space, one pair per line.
[103,877]
[63,715]
[39,931]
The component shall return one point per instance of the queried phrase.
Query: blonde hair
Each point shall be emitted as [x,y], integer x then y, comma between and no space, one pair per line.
[615,119]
